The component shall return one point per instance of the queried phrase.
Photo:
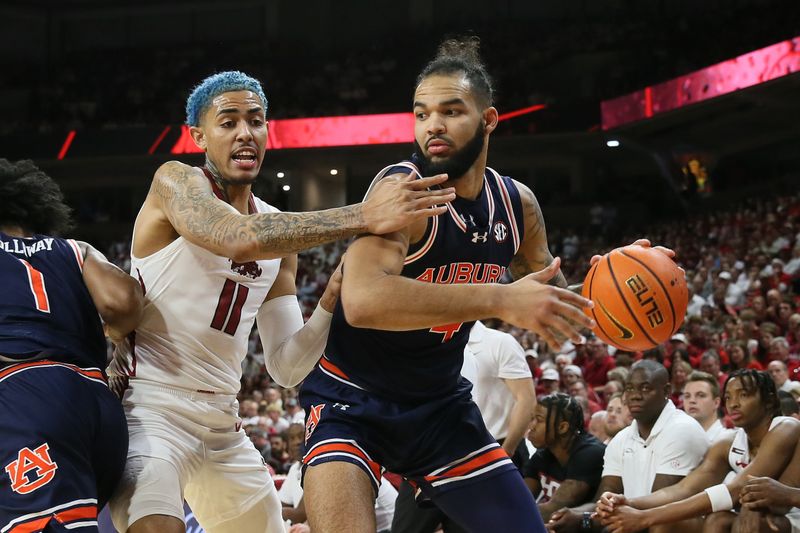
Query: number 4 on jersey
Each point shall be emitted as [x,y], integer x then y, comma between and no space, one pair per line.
[39,291]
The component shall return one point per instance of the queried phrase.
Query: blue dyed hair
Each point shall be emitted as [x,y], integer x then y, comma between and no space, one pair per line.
[213,86]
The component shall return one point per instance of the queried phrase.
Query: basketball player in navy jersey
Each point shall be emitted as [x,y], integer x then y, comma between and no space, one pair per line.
[64,438]
[387,393]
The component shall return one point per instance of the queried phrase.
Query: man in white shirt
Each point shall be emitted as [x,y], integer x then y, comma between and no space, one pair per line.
[701,401]
[660,447]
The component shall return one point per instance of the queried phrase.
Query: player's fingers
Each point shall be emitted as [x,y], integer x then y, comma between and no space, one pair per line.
[669,252]
[564,328]
[548,337]
[595,259]
[642,242]
[426,212]
[424,183]
[773,525]
[547,273]
[573,299]
[432,198]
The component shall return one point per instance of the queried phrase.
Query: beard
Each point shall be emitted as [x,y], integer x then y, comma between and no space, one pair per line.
[458,163]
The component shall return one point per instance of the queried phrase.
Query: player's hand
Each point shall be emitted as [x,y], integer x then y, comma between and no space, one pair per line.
[331,295]
[299,528]
[397,201]
[640,242]
[765,492]
[551,312]
[626,520]
[564,520]
[608,502]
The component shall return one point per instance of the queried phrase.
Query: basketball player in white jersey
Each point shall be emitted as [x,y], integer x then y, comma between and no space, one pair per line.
[212,259]
[762,445]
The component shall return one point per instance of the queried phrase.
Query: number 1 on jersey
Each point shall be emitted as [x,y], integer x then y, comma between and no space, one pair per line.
[229,307]
[39,291]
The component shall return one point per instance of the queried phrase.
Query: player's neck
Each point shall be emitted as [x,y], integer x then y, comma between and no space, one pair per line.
[757,433]
[15,231]
[236,195]
[707,423]
[470,185]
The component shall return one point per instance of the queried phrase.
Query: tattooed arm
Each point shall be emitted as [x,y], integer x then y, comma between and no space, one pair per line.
[181,198]
[534,253]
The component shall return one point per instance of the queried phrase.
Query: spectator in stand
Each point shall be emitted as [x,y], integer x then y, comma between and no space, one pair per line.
[597,425]
[581,389]
[793,334]
[740,356]
[249,413]
[789,406]
[657,450]
[566,468]
[595,371]
[784,312]
[701,401]
[276,423]
[561,361]
[294,413]
[569,375]
[679,376]
[260,440]
[548,383]
[618,417]
[279,456]
[779,351]
[710,364]
[780,375]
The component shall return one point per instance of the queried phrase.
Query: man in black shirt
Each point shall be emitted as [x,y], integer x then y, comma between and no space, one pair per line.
[566,468]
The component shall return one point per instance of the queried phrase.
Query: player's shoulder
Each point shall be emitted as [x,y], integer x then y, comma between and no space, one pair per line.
[176,171]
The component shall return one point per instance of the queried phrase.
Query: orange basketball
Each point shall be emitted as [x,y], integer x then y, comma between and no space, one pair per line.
[639,295]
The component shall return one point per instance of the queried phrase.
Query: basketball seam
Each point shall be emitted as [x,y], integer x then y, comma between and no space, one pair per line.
[663,287]
[627,306]
[594,313]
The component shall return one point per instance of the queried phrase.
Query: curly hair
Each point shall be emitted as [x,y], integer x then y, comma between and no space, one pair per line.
[562,407]
[211,87]
[462,55]
[757,380]
[29,198]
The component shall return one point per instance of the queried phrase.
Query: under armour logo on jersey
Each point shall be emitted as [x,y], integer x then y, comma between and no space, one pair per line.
[480,237]
[21,470]
[341,406]
[314,415]
[249,269]
[500,232]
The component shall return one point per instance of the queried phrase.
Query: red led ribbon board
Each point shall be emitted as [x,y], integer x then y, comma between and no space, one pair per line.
[750,69]
[326,131]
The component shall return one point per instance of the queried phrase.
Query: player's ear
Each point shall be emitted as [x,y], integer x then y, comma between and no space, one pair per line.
[198,136]
[490,119]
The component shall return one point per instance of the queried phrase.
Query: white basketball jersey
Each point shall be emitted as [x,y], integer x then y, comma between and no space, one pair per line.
[739,453]
[198,313]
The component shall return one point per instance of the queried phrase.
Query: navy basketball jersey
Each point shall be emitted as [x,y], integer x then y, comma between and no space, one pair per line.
[473,242]
[46,311]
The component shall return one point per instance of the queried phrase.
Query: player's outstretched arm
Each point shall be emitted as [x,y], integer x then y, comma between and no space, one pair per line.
[291,348]
[117,296]
[183,195]
[375,295]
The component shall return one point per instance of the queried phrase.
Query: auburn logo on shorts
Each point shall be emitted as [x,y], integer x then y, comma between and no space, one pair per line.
[21,471]
[313,419]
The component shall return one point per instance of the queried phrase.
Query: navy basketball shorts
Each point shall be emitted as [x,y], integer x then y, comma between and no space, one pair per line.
[437,445]
[63,447]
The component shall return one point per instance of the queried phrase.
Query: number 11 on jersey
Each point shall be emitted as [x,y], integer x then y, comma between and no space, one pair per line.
[229,307]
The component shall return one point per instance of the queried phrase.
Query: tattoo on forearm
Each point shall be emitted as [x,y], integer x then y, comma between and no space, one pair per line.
[192,210]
